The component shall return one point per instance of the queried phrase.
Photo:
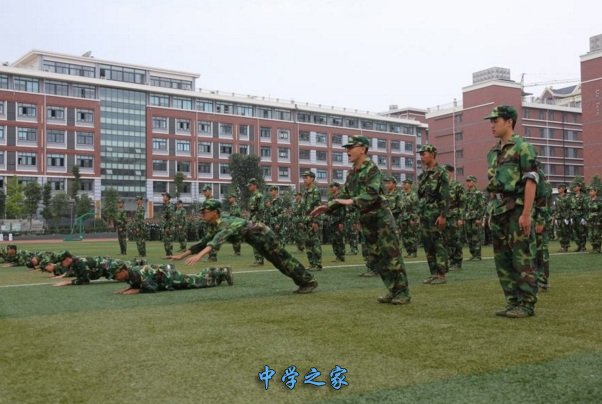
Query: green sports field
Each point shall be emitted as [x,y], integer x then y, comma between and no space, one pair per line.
[86,344]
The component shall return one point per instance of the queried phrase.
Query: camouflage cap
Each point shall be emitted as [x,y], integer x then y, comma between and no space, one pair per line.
[273,188]
[449,167]
[44,262]
[504,112]
[471,178]
[408,181]
[11,247]
[207,188]
[390,178]
[562,186]
[335,184]
[252,181]
[309,173]
[427,148]
[167,194]
[139,198]
[179,202]
[211,204]
[62,255]
[358,141]
[232,196]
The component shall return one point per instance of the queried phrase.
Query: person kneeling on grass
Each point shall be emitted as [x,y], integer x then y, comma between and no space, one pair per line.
[153,278]
[258,235]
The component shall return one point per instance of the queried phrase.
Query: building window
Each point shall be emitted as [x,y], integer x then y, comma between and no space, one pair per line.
[223,108]
[2,135]
[351,123]
[266,171]
[367,125]
[459,136]
[395,128]
[570,135]
[182,103]
[83,91]
[204,128]
[2,108]
[55,113]
[395,145]
[571,153]
[159,187]
[283,172]
[337,175]
[460,171]
[204,168]
[337,139]
[56,137]
[160,165]
[303,117]
[283,153]
[382,161]
[409,147]
[183,167]
[304,154]
[321,174]
[265,133]
[27,134]
[57,184]
[56,160]
[84,139]
[26,84]
[204,147]
[380,126]
[381,144]
[265,152]
[335,121]
[225,130]
[160,123]
[409,162]
[264,113]
[283,135]
[169,83]
[320,155]
[244,131]
[27,159]
[396,162]
[225,150]
[321,138]
[205,106]
[319,119]
[3,81]
[304,137]
[282,115]
[84,116]
[84,161]
[182,126]
[459,154]
[28,111]
[159,144]
[183,146]
[244,110]
[224,169]
[243,149]
[159,100]
[337,157]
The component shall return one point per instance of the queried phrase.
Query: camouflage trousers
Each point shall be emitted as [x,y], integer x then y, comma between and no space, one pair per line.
[595,235]
[579,233]
[564,233]
[181,238]
[141,246]
[383,256]
[236,247]
[168,241]
[474,237]
[337,239]
[123,242]
[264,242]
[207,278]
[454,241]
[433,241]
[514,253]
[298,236]
[542,257]
[313,247]
[352,237]
[410,234]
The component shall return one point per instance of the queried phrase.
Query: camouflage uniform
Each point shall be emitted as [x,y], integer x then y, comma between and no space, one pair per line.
[562,215]
[542,216]
[261,238]
[313,246]
[337,229]
[579,202]
[86,269]
[298,228]
[235,211]
[181,228]
[409,221]
[454,233]
[433,200]
[473,220]
[167,222]
[274,211]
[363,186]
[139,230]
[155,278]
[256,215]
[509,165]
[352,226]
[121,221]
[594,221]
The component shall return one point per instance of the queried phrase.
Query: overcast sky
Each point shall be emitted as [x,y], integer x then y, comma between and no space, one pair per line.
[358,54]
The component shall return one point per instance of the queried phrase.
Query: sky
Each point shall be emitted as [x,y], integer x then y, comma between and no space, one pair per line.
[356,54]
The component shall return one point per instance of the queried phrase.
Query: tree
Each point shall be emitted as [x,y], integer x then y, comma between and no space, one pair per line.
[109,205]
[14,200]
[243,167]
[46,197]
[59,207]
[84,205]
[178,180]
[2,203]
[74,184]
[596,182]
[33,195]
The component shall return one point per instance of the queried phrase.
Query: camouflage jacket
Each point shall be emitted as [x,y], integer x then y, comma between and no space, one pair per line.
[153,278]
[256,207]
[338,216]
[457,200]
[594,214]
[363,186]
[167,217]
[579,206]
[180,219]
[433,194]
[542,210]
[311,199]
[234,210]
[121,221]
[139,225]
[274,212]
[409,206]
[475,205]
[562,207]
[507,167]
[393,201]
[228,229]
